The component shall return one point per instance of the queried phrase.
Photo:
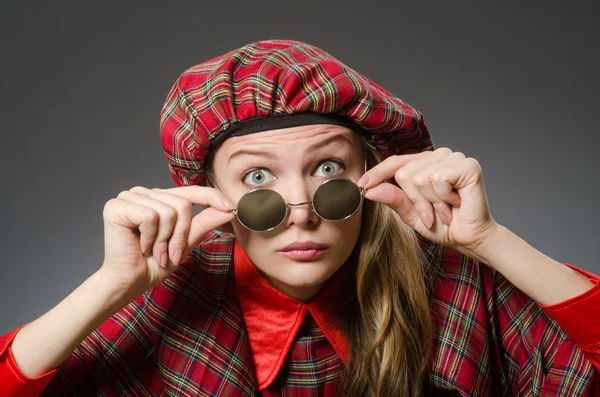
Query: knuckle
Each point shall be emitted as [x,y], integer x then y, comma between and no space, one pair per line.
[169,215]
[423,206]
[178,242]
[138,189]
[161,244]
[151,215]
[439,206]
[124,194]
[473,162]
[184,206]
[402,175]
[420,180]
[444,150]
[197,189]
[437,177]
[109,206]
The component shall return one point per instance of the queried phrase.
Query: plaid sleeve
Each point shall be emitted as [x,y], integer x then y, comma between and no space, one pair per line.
[110,359]
[540,357]
[492,339]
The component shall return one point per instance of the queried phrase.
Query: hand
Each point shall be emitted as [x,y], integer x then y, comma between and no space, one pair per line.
[147,232]
[440,195]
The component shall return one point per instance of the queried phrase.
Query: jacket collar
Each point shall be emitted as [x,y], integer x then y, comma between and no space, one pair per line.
[273,319]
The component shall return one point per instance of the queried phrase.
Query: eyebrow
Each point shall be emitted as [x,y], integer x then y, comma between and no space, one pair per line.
[258,153]
[269,155]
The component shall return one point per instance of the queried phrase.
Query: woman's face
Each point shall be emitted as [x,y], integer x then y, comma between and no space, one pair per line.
[293,162]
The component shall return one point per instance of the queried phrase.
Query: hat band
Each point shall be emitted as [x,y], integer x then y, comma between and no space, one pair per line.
[284,120]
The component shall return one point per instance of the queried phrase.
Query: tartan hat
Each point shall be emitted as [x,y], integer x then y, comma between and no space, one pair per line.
[278,84]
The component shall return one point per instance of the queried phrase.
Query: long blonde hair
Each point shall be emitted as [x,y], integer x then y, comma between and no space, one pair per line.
[388,322]
[390,331]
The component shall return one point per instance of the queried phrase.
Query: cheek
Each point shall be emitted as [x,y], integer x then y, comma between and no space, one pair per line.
[241,233]
[351,232]
[254,243]
[353,224]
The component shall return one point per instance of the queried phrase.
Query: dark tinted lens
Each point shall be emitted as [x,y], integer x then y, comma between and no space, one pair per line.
[261,210]
[337,199]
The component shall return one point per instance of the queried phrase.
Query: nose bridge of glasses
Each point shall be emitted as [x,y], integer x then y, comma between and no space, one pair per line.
[298,204]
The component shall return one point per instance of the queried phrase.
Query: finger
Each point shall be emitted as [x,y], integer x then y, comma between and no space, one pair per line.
[388,167]
[134,216]
[440,207]
[385,170]
[204,222]
[392,196]
[204,196]
[178,239]
[430,175]
[167,216]
[440,181]
[416,188]
[464,173]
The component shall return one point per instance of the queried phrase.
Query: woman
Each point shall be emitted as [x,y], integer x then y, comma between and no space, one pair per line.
[338,253]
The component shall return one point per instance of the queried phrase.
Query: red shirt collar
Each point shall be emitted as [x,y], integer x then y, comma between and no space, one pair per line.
[273,318]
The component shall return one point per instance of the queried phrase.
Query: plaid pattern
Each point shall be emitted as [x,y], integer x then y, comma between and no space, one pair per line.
[186,337]
[492,340]
[271,78]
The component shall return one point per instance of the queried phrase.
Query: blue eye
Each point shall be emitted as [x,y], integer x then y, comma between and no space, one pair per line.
[257,177]
[331,168]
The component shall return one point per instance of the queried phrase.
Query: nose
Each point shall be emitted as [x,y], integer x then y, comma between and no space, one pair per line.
[300,212]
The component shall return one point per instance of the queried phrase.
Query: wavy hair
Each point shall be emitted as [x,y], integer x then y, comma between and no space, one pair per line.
[390,326]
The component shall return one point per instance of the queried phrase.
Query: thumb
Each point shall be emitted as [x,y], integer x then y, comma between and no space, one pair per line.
[394,197]
[207,220]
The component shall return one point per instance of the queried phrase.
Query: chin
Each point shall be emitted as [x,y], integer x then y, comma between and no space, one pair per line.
[305,274]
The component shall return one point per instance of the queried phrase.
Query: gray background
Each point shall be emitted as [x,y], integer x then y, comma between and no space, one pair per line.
[513,85]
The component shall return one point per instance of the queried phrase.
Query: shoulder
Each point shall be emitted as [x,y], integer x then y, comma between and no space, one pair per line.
[202,277]
[213,255]
[208,264]
[483,306]
[449,272]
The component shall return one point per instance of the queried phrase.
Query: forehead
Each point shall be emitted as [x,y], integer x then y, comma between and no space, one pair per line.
[300,137]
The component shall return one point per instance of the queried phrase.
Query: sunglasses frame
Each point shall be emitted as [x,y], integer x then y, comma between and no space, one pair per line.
[362,192]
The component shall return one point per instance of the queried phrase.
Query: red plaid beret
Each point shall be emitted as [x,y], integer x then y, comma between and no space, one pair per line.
[277,84]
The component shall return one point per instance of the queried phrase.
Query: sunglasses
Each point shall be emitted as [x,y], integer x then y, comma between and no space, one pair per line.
[262,210]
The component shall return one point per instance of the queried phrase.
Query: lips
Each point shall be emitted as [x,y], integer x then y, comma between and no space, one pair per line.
[303,246]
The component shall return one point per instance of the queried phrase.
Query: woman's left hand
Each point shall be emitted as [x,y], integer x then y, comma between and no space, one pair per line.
[442,185]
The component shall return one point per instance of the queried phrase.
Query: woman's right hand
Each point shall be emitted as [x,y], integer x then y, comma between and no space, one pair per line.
[147,232]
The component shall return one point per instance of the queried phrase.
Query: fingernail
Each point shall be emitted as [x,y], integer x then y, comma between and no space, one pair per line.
[362,182]
[177,256]
[427,221]
[163,260]
[444,217]
[227,203]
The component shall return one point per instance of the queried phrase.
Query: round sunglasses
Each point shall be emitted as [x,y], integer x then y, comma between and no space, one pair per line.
[262,210]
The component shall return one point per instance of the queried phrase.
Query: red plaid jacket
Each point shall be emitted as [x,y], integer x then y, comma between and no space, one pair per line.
[188,337]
